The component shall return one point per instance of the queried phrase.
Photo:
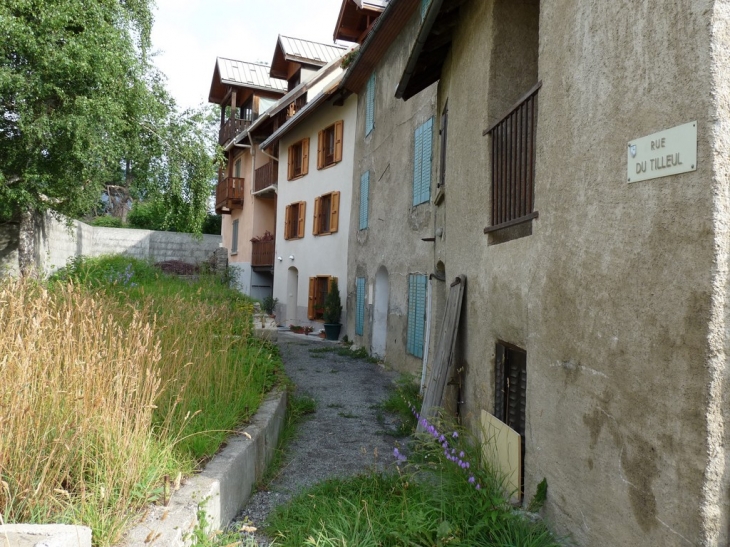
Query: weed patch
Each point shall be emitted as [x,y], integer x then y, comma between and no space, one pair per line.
[360,353]
[401,399]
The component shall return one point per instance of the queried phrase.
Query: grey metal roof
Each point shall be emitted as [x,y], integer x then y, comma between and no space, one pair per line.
[372,4]
[248,74]
[317,53]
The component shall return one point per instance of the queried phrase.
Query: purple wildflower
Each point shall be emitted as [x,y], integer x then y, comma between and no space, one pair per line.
[471,479]
[455,435]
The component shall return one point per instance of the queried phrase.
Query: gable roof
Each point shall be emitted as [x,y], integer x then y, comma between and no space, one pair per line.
[428,52]
[295,50]
[356,18]
[243,74]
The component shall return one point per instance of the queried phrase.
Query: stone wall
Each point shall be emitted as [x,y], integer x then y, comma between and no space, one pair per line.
[57,242]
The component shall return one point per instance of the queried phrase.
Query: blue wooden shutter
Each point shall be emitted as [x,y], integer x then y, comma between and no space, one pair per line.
[416,314]
[360,306]
[424,7]
[423,146]
[370,105]
[364,199]
[417,164]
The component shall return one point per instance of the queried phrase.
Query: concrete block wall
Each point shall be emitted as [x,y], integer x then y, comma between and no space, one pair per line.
[57,241]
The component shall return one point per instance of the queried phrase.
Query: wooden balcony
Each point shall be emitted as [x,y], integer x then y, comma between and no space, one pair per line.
[266,176]
[262,255]
[228,195]
[231,128]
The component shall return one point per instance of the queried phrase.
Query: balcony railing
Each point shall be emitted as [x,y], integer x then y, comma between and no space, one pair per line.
[231,128]
[266,176]
[513,164]
[229,195]
[262,254]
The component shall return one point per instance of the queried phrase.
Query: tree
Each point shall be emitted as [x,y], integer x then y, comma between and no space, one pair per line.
[81,108]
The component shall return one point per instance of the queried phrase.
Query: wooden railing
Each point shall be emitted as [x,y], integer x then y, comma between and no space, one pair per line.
[266,176]
[229,194]
[231,128]
[262,253]
[513,164]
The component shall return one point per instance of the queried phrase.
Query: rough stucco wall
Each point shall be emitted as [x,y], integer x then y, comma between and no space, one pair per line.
[393,238]
[315,255]
[610,295]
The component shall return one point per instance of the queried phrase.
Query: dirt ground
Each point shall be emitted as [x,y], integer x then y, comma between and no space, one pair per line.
[343,437]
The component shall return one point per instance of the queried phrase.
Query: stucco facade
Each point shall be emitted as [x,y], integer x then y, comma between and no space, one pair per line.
[391,248]
[617,292]
[313,255]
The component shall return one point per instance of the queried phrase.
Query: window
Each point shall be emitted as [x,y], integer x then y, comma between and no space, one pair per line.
[513,164]
[364,199]
[416,314]
[237,169]
[422,163]
[329,145]
[326,214]
[510,397]
[360,306]
[234,238]
[319,286]
[294,220]
[298,159]
[370,105]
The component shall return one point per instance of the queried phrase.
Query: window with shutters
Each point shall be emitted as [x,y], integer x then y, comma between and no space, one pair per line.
[510,398]
[326,214]
[417,284]
[364,199]
[360,306]
[294,217]
[329,145]
[319,286]
[370,105]
[423,139]
[234,238]
[298,159]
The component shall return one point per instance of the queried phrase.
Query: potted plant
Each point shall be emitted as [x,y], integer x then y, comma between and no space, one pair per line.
[332,312]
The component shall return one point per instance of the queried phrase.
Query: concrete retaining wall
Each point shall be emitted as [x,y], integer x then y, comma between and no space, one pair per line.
[57,241]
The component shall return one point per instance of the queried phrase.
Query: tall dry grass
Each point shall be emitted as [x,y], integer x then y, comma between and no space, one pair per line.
[77,399]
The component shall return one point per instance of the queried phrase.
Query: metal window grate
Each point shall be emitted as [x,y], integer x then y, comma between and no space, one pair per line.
[513,164]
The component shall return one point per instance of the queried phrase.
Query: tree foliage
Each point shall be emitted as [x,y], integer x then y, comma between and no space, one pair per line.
[82,108]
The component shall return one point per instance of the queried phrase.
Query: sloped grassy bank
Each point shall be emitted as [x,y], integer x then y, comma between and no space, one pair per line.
[117,380]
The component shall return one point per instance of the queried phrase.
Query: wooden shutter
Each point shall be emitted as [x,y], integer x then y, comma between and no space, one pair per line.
[360,306]
[320,149]
[334,212]
[305,156]
[290,163]
[312,296]
[417,164]
[338,140]
[427,141]
[370,105]
[287,222]
[302,218]
[364,199]
[317,208]
[416,314]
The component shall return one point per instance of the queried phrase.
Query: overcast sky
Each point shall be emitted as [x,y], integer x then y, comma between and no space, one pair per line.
[190,34]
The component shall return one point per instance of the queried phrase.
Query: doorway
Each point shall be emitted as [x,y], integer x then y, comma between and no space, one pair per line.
[292,295]
[380,313]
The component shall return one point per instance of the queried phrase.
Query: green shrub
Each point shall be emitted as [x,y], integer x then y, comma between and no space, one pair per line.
[108,221]
[149,215]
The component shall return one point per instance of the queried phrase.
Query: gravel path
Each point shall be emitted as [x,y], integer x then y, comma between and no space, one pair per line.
[343,437]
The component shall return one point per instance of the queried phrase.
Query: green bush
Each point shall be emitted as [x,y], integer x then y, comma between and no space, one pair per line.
[212,224]
[148,215]
[108,221]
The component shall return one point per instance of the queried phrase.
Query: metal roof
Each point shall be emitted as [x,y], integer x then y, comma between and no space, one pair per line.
[241,73]
[371,4]
[295,49]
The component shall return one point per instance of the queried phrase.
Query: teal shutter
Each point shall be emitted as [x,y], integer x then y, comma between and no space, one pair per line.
[424,7]
[370,105]
[360,306]
[416,314]
[423,147]
[364,199]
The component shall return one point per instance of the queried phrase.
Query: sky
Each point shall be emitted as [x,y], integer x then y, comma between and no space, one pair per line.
[188,35]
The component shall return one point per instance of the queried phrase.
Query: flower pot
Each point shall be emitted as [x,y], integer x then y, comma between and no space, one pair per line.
[332,331]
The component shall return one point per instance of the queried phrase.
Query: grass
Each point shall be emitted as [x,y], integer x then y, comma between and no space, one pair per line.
[427,500]
[116,380]
[399,402]
[345,351]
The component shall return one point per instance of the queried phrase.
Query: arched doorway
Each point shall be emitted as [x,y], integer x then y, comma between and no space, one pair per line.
[292,294]
[380,313]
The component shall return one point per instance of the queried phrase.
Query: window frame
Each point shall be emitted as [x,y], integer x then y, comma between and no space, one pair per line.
[295,230]
[333,214]
[324,159]
[299,150]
